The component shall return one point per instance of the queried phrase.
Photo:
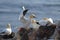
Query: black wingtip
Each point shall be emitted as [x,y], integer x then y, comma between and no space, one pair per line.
[38,23]
[24,12]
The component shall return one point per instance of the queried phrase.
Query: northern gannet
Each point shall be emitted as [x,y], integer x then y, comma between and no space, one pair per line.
[45,21]
[7,33]
[47,28]
[7,30]
[22,17]
[35,24]
[26,22]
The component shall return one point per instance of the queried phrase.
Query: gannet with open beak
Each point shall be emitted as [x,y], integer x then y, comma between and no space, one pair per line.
[50,19]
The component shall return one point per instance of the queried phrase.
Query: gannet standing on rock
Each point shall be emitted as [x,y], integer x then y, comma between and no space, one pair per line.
[46,21]
[47,28]
[7,33]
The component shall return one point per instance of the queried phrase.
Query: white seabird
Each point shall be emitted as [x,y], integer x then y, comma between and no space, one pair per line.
[47,27]
[7,33]
[45,21]
[26,21]
[7,30]
[35,24]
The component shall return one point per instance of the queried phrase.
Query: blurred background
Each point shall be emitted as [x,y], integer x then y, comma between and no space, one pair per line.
[11,9]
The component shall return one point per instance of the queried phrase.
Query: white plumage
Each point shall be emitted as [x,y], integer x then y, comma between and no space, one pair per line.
[26,21]
[35,25]
[23,8]
[7,30]
[45,21]
[50,19]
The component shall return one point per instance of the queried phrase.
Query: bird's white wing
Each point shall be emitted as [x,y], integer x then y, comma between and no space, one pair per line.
[35,25]
[3,32]
[20,16]
[23,20]
[23,8]
[43,22]
[50,19]
[26,22]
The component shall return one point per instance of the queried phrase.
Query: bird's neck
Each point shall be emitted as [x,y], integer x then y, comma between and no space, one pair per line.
[9,30]
[31,17]
[22,15]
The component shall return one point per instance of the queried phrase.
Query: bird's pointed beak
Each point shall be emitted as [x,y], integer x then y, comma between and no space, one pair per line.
[34,16]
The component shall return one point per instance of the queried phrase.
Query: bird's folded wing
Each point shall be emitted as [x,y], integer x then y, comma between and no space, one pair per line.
[2,33]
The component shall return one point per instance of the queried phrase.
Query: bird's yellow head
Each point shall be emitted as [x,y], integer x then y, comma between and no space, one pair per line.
[45,18]
[33,21]
[33,16]
[48,19]
[8,25]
